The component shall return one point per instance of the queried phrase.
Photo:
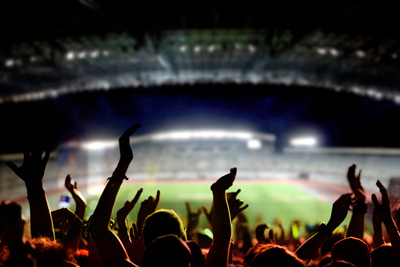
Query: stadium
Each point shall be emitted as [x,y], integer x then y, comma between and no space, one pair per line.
[291,95]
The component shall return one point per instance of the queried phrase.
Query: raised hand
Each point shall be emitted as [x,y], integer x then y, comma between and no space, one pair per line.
[147,207]
[218,254]
[33,166]
[260,234]
[134,245]
[126,154]
[31,172]
[235,205]
[359,209]
[377,237]
[107,244]
[383,210]
[123,212]
[355,183]
[208,213]
[339,211]
[192,218]
[70,187]
[80,201]
[225,182]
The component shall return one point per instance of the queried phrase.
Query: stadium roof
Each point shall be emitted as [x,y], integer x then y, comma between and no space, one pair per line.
[52,49]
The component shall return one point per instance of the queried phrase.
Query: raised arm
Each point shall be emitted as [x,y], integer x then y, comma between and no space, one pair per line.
[339,212]
[80,201]
[123,235]
[31,172]
[377,238]
[236,205]
[383,211]
[147,207]
[221,221]
[193,218]
[356,225]
[108,246]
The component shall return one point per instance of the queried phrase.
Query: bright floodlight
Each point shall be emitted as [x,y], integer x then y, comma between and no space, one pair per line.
[94,53]
[9,63]
[254,144]
[206,134]
[303,141]
[70,55]
[98,145]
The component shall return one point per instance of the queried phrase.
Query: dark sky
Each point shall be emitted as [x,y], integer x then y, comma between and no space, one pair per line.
[339,119]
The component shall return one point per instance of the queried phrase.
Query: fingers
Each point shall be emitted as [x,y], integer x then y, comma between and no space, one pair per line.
[131,233]
[375,200]
[134,232]
[244,207]
[271,235]
[75,185]
[137,196]
[131,130]
[384,192]
[233,171]
[232,195]
[345,198]
[381,187]
[67,181]
[260,236]
[359,175]
[188,208]
[157,198]
[351,172]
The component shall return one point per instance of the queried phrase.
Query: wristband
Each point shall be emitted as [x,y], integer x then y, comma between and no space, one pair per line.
[323,228]
[117,178]
[360,208]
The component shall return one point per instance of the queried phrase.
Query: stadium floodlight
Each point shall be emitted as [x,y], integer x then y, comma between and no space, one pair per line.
[197,49]
[254,144]
[203,134]
[321,50]
[94,53]
[70,55]
[98,145]
[334,52]
[211,48]
[82,54]
[9,63]
[304,141]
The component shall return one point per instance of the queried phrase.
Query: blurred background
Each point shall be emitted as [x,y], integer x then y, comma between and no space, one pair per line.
[290,93]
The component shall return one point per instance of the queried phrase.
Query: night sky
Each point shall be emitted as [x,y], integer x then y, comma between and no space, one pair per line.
[337,119]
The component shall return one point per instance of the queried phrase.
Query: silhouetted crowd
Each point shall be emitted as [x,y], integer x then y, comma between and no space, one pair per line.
[159,237]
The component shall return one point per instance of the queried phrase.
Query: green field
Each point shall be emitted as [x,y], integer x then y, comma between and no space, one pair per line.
[267,201]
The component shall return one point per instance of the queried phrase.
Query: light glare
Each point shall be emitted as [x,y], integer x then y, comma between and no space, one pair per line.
[254,144]
[208,134]
[99,145]
[303,141]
